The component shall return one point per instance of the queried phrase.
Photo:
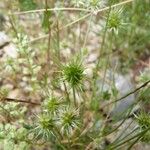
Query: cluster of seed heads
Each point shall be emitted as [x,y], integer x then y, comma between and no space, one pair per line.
[57,118]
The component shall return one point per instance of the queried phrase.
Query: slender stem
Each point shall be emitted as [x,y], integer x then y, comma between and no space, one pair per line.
[58,138]
[66,91]
[70,9]
[103,39]
[49,35]
[132,92]
[118,141]
[107,58]
[119,137]
[3,45]
[19,100]
[119,124]
[51,9]
[122,143]
[129,148]
[115,5]
[101,50]
[88,30]
[58,40]
[74,96]
[49,43]
[84,17]
[62,28]
[13,26]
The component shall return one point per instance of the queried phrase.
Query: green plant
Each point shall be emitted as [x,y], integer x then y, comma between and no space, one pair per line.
[115,20]
[69,121]
[73,74]
[64,105]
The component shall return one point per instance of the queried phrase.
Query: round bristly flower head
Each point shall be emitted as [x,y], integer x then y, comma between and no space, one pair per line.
[68,121]
[115,20]
[45,127]
[146,137]
[143,120]
[73,73]
[52,105]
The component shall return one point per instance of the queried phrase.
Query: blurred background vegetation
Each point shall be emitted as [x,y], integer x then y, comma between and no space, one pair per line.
[62,62]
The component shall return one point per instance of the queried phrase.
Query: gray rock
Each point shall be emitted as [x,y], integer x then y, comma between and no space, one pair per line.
[11,50]
[3,39]
[123,85]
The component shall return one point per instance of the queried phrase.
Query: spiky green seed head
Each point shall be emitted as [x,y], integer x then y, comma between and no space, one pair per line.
[143,120]
[115,20]
[146,137]
[46,122]
[45,127]
[73,74]
[69,121]
[52,105]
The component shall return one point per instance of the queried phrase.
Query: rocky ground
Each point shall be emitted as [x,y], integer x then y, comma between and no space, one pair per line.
[124,83]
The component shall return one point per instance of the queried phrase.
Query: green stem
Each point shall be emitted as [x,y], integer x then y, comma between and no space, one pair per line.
[66,91]
[115,142]
[98,63]
[119,137]
[58,40]
[123,142]
[49,35]
[74,97]
[103,40]
[132,92]
[129,148]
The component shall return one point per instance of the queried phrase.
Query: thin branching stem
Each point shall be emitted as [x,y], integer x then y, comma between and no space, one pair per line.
[88,30]
[127,140]
[20,100]
[128,94]
[84,17]
[13,26]
[58,39]
[61,28]
[124,130]
[74,97]
[134,142]
[70,9]
[51,9]
[49,35]
[66,92]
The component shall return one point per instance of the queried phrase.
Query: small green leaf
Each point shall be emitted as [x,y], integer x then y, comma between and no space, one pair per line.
[28,127]
[106,95]
[114,91]
[46,22]
[95,103]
